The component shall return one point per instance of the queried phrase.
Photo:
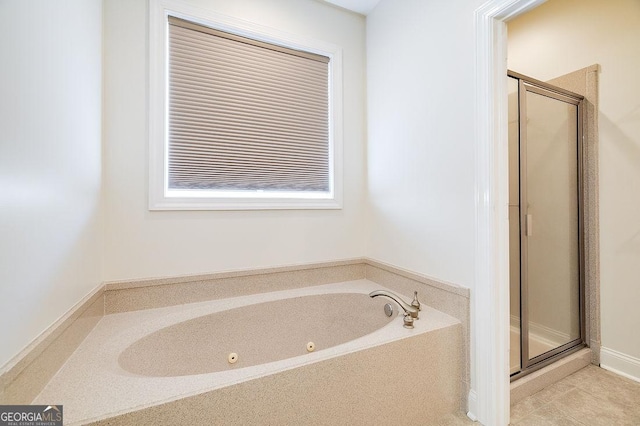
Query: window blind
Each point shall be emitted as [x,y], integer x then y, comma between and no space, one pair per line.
[245,115]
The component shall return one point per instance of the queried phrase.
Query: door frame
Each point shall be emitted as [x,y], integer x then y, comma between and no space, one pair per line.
[489,397]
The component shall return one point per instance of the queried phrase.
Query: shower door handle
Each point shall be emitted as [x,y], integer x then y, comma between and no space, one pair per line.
[529,225]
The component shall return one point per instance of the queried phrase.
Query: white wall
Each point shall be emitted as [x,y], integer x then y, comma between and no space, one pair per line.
[140,243]
[50,163]
[565,35]
[420,60]
[420,146]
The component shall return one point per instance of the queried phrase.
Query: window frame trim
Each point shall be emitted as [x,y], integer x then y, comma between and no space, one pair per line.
[160,196]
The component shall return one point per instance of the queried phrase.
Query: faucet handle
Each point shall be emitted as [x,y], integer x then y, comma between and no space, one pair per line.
[416,303]
[408,320]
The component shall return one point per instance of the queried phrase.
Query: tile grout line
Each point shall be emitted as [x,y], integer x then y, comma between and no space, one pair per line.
[545,404]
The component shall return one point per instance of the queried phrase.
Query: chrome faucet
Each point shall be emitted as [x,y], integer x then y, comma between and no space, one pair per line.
[410,312]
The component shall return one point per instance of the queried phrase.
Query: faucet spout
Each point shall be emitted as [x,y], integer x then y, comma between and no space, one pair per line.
[408,309]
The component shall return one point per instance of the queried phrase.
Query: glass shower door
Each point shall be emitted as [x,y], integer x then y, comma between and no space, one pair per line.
[545,223]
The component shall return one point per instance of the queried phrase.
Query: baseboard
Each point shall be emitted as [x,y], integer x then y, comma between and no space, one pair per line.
[473,405]
[619,363]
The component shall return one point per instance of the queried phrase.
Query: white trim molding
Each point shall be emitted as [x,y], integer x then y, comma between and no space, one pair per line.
[490,300]
[473,405]
[619,363]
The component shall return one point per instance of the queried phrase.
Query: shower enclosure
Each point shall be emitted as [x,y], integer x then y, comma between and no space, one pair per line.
[546,252]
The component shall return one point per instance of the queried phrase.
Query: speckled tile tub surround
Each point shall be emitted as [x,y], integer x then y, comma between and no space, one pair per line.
[21,381]
[154,293]
[337,391]
[362,377]
[448,298]
[22,378]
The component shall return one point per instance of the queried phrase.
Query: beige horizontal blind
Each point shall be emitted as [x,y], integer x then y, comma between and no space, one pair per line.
[245,115]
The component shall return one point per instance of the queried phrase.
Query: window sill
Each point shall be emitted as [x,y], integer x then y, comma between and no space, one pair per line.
[166,203]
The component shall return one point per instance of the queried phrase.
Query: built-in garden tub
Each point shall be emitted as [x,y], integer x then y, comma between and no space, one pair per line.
[326,354]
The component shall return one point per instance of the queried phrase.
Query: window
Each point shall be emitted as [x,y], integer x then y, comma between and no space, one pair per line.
[241,117]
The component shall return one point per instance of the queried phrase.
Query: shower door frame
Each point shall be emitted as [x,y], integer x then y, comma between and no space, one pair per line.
[527,84]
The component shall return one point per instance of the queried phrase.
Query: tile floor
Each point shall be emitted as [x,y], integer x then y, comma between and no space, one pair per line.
[590,397]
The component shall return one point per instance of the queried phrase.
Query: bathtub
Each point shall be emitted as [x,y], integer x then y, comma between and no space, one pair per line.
[326,354]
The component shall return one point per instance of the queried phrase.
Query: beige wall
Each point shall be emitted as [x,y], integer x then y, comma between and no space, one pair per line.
[50,163]
[141,243]
[565,35]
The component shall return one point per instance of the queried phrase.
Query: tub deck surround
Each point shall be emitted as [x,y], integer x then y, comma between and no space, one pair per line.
[124,296]
[446,297]
[28,373]
[94,386]
[22,378]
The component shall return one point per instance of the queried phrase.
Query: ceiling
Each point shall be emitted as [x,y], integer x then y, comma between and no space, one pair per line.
[359,6]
